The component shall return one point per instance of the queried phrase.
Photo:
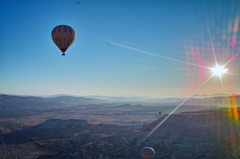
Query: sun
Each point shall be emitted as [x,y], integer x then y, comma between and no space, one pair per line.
[219,70]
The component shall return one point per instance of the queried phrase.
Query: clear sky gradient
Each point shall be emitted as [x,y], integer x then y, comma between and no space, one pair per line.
[31,64]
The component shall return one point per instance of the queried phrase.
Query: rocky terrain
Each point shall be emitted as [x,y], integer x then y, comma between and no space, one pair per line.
[209,133]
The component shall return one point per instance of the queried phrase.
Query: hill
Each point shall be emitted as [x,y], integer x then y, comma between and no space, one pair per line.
[199,134]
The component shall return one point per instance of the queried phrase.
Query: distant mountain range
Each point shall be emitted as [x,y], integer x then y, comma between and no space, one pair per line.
[130,98]
[50,102]
[13,105]
[64,101]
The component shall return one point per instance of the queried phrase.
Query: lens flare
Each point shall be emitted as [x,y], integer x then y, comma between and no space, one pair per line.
[219,70]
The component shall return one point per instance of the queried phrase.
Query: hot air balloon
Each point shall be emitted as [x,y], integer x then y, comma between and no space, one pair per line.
[63,36]
[147,153]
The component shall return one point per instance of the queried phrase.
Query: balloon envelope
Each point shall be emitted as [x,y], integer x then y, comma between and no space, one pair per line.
[147,153]
[63,36]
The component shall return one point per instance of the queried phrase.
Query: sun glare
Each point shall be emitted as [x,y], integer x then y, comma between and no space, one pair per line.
[219,70]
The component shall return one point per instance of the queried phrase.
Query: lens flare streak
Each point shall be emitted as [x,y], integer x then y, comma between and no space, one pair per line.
[153,54]
[211,41]
[231,59]
[175,109]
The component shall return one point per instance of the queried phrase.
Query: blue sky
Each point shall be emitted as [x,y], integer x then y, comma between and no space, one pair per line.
[31,64]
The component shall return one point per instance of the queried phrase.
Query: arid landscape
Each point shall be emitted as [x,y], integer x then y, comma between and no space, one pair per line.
[120,79]
[87,128]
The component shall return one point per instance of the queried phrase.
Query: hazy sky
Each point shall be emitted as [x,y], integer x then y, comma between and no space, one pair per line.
[102,61]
